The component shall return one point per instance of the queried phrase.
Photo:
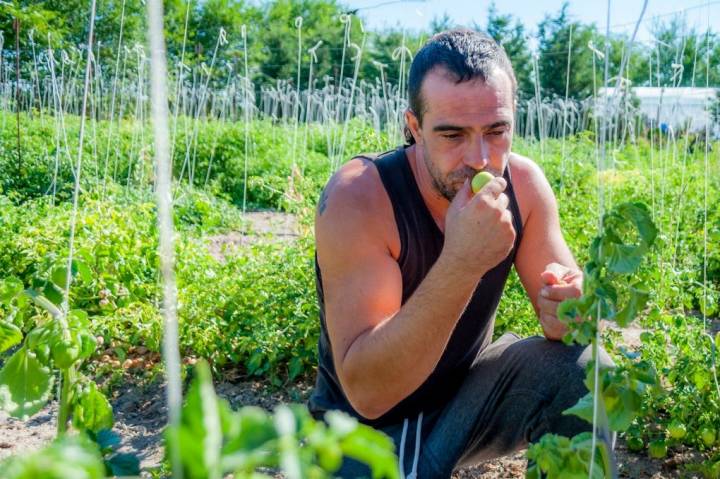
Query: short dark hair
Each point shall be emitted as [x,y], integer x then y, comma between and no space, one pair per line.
[466,54]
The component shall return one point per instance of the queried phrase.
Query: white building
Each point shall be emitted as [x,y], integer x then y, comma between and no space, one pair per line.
[675,107]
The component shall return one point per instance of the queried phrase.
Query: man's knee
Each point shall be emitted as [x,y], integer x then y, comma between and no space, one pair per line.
[567,367]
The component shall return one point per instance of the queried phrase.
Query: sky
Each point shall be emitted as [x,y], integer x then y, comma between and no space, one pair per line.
[418,14]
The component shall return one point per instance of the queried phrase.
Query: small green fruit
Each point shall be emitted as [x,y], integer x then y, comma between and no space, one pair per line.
[677,430]
[657,449]
[635,444]
[65,353]
[480,180]
[707,435]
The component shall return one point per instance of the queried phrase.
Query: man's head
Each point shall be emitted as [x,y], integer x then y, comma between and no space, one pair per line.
[461,114]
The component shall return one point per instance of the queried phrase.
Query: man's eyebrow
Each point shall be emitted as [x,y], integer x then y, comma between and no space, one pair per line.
[498,124]
[448,128]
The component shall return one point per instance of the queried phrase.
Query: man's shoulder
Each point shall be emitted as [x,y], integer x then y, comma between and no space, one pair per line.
[523,169]
[354,207]
[355,186]
[531,188]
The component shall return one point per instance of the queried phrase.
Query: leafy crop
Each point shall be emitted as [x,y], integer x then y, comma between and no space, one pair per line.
[628,234]
[215,440]
[57,341]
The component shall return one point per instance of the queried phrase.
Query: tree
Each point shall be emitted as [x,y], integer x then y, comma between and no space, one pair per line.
[441,23]
[382,46]
[510,33]
[715,110]
[679,54]
[556,36]
[321,21]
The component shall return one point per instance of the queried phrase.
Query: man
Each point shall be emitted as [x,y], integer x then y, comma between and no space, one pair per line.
[411,265]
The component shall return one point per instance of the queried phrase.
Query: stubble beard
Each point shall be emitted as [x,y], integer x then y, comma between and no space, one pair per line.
[448,185]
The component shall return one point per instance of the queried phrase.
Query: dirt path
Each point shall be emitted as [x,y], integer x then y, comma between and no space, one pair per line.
[262,226]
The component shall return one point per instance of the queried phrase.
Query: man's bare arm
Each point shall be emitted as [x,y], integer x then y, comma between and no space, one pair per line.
[544,262]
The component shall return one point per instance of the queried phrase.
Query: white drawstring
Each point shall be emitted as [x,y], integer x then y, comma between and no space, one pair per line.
[402,449]
[416,457]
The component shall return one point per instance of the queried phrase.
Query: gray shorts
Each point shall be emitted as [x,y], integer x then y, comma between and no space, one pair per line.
[514,393]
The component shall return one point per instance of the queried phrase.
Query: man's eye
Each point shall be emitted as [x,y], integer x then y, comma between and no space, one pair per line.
[497,132]
[452,136]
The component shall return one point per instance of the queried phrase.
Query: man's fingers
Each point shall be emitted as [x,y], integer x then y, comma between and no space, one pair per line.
[547,318]
[548,277]
[556,273]
[548,306]
[557,269]
[464,194]
[503,200]
[560,292]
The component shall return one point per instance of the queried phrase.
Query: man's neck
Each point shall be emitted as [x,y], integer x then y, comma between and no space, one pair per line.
[435,202]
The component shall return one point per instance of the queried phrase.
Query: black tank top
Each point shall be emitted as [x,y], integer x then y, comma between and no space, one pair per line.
[420,244]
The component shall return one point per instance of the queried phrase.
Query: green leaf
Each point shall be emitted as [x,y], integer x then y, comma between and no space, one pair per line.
[295,367]
[82,270]
[53,293]
[10,335]
[9,289]
[563,458]
[342,424]
[67,457]
[609,248]
[623,410]
[621,258]
[636,303]
[570,309]
[123,464]
[25,385]
[285,425]
[248,429]
[199,435]
[583,409]
[92,410]
[640,215]
[59,277]
[79,270]
[372,447]
[78,319]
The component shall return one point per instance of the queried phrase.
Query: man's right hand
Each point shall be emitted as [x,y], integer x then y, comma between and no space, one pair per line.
[479,231]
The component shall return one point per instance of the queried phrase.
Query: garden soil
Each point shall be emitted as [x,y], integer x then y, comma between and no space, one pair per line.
[140,416]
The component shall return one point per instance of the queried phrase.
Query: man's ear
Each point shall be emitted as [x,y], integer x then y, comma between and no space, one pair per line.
[413,124]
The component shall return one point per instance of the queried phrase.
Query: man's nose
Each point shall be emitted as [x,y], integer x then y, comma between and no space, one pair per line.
[477,156]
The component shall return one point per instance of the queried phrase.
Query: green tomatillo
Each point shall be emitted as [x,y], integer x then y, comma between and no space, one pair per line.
[480,180]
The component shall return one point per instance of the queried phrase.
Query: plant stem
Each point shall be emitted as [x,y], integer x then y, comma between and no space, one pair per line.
[68,378]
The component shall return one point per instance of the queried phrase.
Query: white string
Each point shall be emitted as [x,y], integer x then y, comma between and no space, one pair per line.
[246,111]
[171,353]
[76,190]
[564,119]
[112,100]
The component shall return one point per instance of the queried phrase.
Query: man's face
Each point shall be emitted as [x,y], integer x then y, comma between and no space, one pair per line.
[467,127]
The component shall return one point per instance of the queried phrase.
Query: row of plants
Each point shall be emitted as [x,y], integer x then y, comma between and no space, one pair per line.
[211,153]
[679,256]
[260,312]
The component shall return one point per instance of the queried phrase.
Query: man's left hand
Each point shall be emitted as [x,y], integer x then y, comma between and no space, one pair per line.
[559,284]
